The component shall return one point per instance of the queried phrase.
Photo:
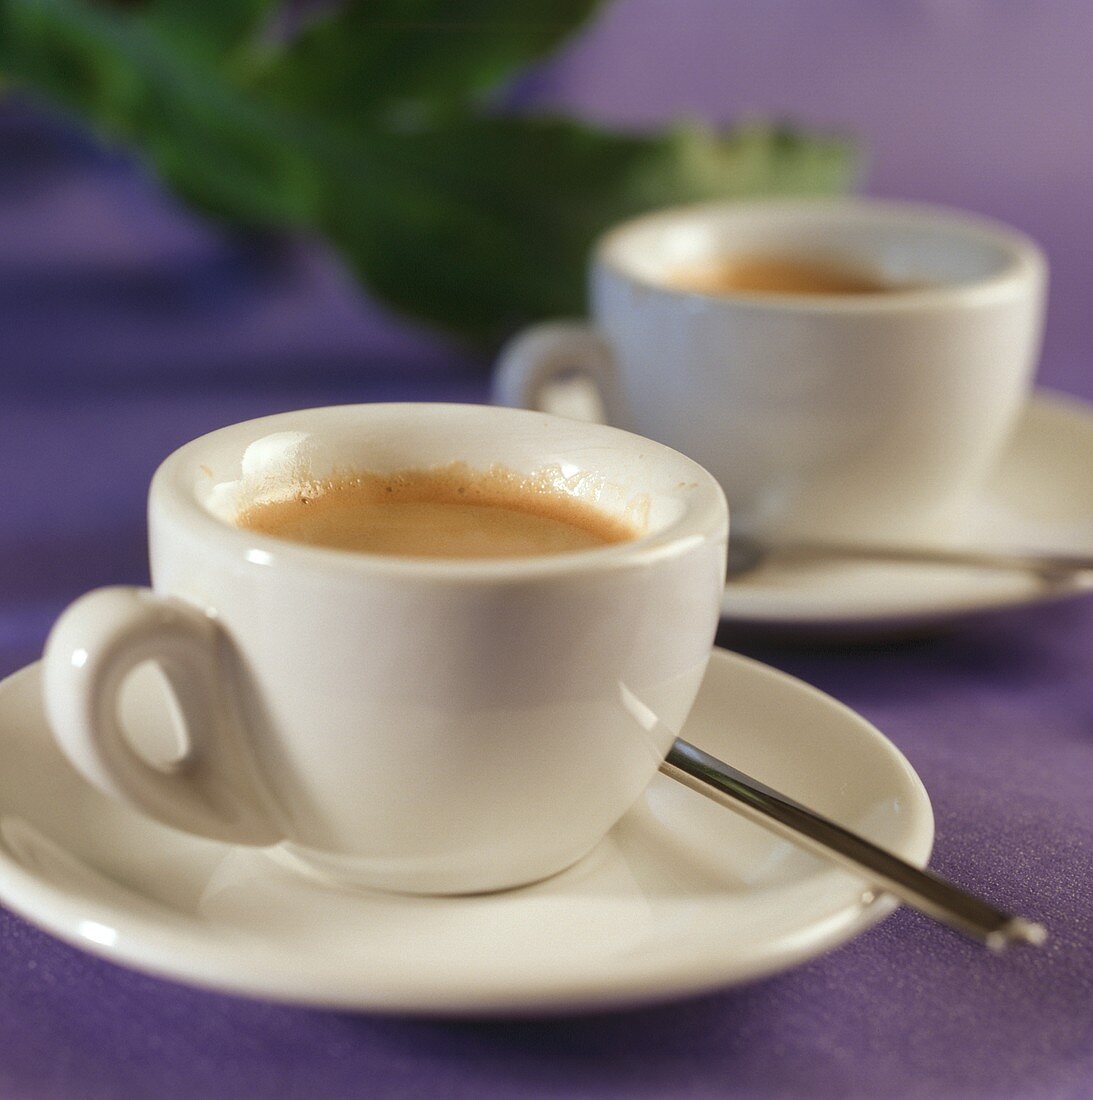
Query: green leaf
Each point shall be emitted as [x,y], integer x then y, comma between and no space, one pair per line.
[227,154]
[488,250]
[411,60]
[693,162]
[211,29]
[473,221]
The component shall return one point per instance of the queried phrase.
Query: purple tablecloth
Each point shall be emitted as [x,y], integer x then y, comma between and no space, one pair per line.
[126,329]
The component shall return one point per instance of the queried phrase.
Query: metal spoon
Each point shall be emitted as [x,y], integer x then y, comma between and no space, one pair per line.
[747,554]
[922,890]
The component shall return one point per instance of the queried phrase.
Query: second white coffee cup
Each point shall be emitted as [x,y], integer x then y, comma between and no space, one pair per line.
[822,415]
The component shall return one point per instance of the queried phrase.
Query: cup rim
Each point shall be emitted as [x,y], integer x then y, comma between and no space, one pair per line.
[172,496]
[1026,261]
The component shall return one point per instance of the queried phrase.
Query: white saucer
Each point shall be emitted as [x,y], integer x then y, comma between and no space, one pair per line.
[1039,497]
[682,896]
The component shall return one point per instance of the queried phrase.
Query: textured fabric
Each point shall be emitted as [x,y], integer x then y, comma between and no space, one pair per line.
[127,328]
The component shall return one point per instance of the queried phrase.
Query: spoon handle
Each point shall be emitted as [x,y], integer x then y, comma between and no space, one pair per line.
[921,889]
[1051,564]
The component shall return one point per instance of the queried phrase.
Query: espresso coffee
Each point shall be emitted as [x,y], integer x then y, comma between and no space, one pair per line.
[778,275]
[453,512]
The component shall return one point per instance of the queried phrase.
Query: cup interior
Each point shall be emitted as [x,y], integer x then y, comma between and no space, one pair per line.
[898,243]
[663,494]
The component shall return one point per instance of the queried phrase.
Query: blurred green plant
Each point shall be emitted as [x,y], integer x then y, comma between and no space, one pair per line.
[376,126]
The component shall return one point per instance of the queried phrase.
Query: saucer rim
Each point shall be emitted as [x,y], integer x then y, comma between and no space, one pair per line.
[146,949]
[781,615]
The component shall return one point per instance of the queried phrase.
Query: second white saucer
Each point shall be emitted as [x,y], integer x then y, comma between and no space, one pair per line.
[1039,497]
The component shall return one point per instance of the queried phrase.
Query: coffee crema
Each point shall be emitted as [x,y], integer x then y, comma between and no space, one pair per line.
[779,275]
[449,512]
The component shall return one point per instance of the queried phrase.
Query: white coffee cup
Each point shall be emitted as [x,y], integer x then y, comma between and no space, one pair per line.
[424,725]
[821,415]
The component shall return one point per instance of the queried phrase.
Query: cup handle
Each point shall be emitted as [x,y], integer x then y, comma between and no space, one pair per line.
[543,353]
[212,790]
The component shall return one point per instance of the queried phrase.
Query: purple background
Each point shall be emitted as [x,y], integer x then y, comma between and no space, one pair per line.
[127,327]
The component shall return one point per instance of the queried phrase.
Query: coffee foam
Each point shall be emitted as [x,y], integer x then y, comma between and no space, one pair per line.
[338,504]
[282,465]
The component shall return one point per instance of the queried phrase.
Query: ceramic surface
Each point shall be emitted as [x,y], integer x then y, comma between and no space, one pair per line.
[1038,497]
[840,416]
[424,725]
[682,896]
